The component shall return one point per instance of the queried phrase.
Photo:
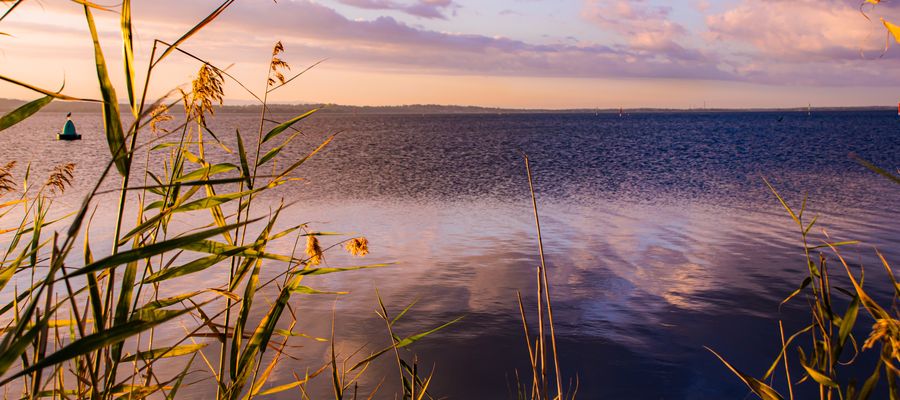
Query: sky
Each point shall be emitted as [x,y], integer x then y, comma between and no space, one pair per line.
[551,54]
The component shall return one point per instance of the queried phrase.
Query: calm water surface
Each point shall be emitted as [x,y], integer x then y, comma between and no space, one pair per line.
[661,236]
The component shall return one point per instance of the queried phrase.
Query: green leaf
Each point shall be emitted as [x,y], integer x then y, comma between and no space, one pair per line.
[153,249]
[836,244]
[874,168]
[288,386]
[45,92]
[300,162]
[168,301]
[206,172]
[165,352]
[94,341]
[803,285]
[115,137]
[285,125]
[128,52]
[213,201]
[783,204]
[174,391]
[274,151]
[819,377]
[23,112]
[242,152]
[847,323]
[197,265]
[323,271]
[762,390]
[20,343]
[213,247]
[309,290]
[866,391]
[6,274]
[403,343]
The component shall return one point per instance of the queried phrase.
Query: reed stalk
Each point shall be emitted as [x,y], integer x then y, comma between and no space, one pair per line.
[113,305]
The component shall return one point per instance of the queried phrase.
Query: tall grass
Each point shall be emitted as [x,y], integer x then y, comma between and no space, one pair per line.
[542,368]
[832,349]
[87,325]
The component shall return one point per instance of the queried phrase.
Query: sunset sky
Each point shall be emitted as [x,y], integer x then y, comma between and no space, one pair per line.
[508,53]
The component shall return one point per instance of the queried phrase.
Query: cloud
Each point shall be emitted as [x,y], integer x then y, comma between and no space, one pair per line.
[803,42]
[387,43]
[644,26]
[798,30]
[757,41]
[419,8]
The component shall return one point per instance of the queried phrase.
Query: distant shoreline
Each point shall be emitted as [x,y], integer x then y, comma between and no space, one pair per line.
[7,105]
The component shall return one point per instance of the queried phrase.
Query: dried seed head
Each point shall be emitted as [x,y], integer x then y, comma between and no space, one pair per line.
[206,89]
[358,246]
[61,177]
[277,65]
[886,332]
[313,250]
[158,115]
[278,49]
[6,182]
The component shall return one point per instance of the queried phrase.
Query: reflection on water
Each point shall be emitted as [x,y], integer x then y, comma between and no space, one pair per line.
[661,237]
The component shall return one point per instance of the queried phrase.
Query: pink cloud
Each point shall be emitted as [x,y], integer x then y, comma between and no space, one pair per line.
[799,30]
[644,26]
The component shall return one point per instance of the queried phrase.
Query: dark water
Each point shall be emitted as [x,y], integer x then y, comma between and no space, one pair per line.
[661,236]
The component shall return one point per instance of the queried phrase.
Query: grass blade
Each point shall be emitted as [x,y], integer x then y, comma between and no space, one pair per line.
[402,343]
[23,112]
[287,124]
[165,352]
[94,341]
[153,249]
[209,18]
[128,54]
[115,137]
[58,96]
[762,390]
[323,271]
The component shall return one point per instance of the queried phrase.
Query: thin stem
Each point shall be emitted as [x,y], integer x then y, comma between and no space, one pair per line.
[546,283]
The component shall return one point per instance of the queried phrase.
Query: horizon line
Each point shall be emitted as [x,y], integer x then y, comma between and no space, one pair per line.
[326,105]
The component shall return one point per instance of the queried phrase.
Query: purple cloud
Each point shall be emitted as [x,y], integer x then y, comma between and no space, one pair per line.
[653,46]
[419,8]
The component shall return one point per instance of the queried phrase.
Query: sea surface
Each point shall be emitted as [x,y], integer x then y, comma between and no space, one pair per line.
[660,234]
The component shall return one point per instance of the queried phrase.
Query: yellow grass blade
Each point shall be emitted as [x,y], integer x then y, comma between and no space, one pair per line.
[114,134]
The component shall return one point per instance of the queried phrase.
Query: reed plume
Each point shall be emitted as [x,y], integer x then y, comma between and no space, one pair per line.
[159,115]
[887,332]
[358,246]
[205,90]
[6,182]
[276,65]
[313,250]
[61,177]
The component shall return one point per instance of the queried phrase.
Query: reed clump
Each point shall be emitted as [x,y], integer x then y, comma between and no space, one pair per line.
[833,349]
[546,376]
[91,328]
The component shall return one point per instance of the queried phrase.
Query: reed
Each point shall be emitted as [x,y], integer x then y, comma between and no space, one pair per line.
[87,326]
[538,347]
[833,348]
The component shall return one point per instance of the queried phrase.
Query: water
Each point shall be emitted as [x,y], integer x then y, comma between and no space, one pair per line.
[661,236]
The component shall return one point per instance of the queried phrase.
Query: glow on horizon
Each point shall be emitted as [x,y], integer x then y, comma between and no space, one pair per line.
[678,54]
